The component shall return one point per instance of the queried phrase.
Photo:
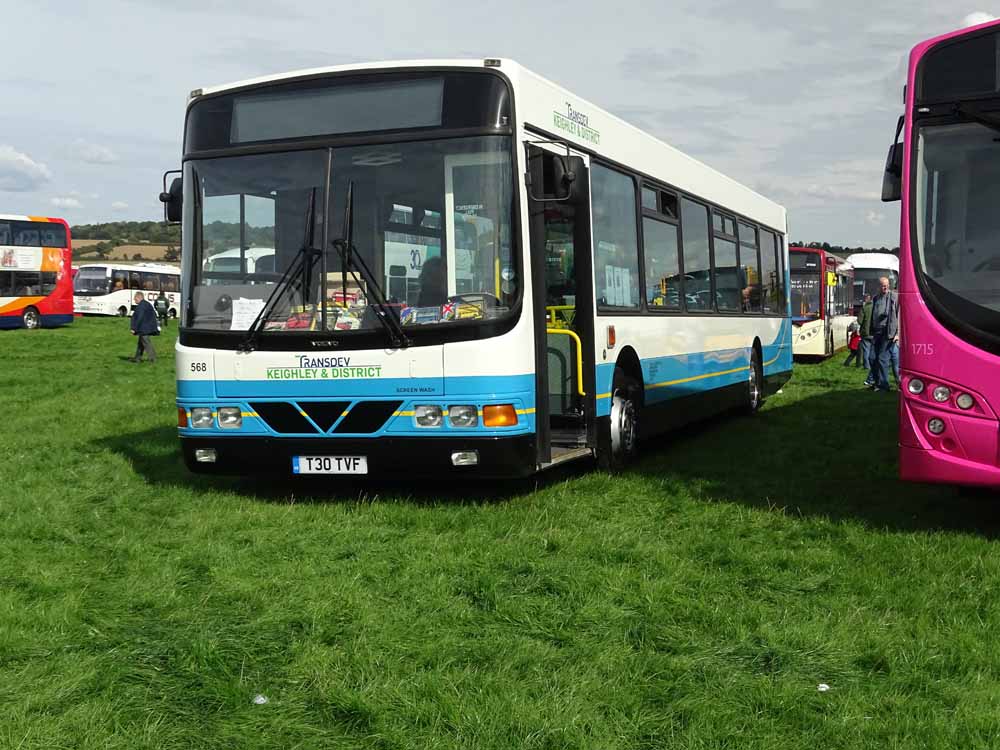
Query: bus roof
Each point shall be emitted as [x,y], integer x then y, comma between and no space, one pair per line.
[879,261]
[539,106]
[158,267]
[19,217]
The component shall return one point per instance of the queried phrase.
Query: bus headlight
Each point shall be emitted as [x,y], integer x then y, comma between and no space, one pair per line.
[428,415]
[916,386]
[965,401]
[942,393]
[201,417]
[230,417]
[935,426]
[463,416]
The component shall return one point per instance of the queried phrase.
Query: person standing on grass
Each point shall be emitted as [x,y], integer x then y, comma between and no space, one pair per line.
[854,344]
[162,306]
[865,329]
[144,325]
[885,332]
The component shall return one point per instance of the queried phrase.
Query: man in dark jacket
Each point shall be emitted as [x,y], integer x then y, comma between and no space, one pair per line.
[144,325]
[885,332]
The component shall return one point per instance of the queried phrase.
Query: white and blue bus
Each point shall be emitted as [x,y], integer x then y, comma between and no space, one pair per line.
[475,273]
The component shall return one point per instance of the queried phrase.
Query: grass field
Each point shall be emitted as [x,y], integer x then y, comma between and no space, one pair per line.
[695,602]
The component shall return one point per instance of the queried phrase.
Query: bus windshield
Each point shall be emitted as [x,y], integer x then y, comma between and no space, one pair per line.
[431,221]
[92,281]
[957,224]
[866,281]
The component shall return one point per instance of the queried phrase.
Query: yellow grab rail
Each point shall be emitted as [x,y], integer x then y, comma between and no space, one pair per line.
[579,355]
[552,313]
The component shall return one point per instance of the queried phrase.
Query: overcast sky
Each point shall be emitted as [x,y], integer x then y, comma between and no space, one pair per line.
[796,98]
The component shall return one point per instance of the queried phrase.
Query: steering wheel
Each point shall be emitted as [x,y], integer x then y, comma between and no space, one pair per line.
[223,303]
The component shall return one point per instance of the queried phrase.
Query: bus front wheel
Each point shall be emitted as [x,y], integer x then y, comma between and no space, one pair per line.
[755,379]
[618,447]
[122,311]
[31,318]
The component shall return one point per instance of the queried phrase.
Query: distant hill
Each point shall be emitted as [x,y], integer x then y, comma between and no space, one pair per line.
[126,240]
[132,232]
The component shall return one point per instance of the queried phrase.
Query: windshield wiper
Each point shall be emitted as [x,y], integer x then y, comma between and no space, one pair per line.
[351,260]
[307,254]
[975,115]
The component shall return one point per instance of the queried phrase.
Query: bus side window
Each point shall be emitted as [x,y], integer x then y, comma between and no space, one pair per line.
[169,282]
[48,282]
[6,283]
[119,281]
[134,280]
[4,234]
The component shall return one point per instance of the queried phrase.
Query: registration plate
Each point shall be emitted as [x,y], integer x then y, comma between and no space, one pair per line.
[330,464]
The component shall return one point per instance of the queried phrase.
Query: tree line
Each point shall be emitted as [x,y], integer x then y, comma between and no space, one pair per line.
[842,250]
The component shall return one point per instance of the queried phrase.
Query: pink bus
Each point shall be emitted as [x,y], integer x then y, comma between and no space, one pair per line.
[946,171]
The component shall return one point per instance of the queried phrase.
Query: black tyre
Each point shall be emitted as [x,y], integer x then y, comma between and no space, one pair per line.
[31,318]
[122,311]
[619,446]
[755,383]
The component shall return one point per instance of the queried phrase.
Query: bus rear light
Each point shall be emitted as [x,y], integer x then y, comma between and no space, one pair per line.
[428,415]
[205,455]
[915,386]
[611,337]
[201,417]
[230,417]
[935,426]
[182,417]
[499,415]
[965,401]
[941,394]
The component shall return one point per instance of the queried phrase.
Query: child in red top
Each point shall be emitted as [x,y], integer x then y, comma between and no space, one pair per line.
[854,344]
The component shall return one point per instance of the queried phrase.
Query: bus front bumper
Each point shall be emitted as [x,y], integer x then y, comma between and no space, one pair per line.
[387,457]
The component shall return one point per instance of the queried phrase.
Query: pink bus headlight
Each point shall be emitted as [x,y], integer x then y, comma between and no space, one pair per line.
[935,426]
[965,401]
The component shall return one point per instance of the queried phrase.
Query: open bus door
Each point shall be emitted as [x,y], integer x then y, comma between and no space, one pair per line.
[563,308]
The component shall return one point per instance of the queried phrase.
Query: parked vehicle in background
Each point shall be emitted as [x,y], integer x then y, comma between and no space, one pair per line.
[36,287]
[475,273]
[108,288]
[946,171]
[868,269]
[821,289]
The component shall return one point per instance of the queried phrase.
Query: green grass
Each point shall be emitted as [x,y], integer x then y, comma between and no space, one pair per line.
[695,602]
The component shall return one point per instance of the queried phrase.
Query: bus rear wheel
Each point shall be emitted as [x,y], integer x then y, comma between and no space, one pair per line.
[31,318]
[122,311]
[621,443]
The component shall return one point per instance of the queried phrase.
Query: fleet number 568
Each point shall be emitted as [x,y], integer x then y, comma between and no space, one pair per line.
[199,367]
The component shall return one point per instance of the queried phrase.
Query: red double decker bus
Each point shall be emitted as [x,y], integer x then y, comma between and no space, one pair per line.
[36,279]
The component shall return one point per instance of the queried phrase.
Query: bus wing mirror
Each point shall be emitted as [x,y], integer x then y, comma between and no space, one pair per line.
[172,199]
[892,178]
[568,182]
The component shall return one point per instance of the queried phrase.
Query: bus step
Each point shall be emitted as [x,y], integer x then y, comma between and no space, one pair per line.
[561,455]
[568,436]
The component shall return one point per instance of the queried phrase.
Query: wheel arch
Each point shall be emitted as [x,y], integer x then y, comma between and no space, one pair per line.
[628,361]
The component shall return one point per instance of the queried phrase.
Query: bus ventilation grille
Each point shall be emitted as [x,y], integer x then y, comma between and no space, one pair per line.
[364,418]
[283,417]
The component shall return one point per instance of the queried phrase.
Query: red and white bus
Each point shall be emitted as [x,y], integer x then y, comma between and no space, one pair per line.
[36,279]
[946,171]
[821,293]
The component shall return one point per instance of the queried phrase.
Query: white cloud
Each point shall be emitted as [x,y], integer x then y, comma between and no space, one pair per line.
[119,206]
[974,19]
[93,153]
[65,202]
[19,173]
[875,218]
